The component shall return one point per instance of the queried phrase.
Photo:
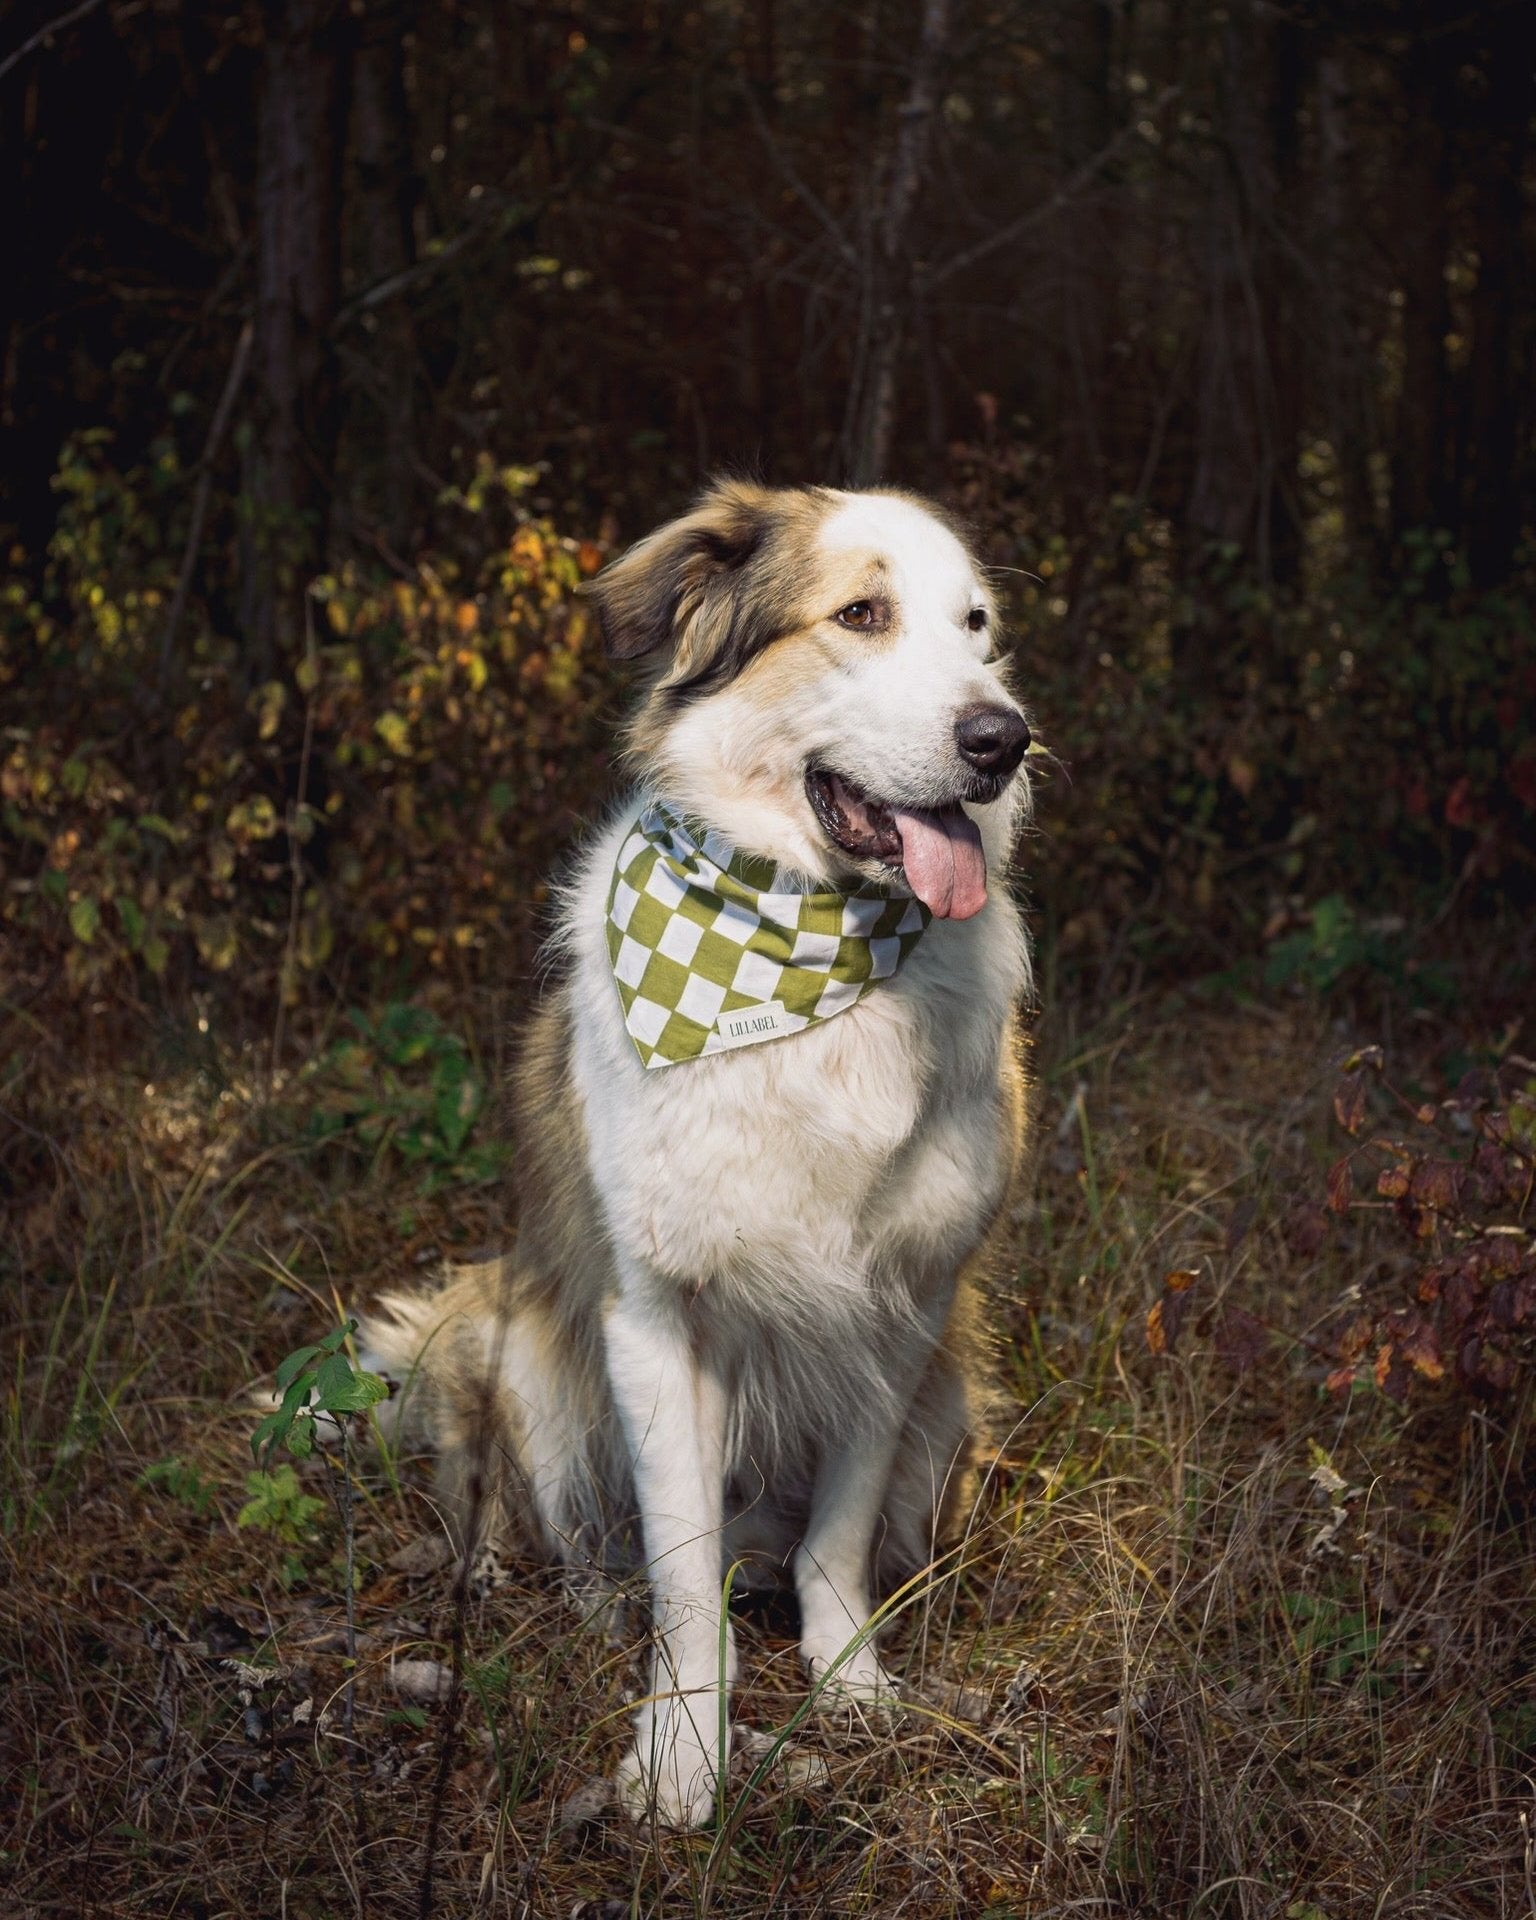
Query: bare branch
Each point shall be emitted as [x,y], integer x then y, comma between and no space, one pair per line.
[45,34]
[802,192]
[232,384]
[1067,192]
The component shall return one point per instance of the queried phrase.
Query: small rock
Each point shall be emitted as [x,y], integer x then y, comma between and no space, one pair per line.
[1026,1691]
[588,1803]
[421,1680]
[419,1558]
[960,1703]
[802,1771]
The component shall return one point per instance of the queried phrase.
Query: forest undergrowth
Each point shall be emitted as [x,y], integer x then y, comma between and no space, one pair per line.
[1220,1639]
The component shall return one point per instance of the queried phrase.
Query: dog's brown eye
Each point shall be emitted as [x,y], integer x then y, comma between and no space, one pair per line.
[976,619]
[858,613]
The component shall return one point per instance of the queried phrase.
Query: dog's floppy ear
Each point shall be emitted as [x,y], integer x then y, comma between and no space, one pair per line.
[679,587]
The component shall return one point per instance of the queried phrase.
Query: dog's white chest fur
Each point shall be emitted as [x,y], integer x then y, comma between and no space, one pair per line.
[795,1176]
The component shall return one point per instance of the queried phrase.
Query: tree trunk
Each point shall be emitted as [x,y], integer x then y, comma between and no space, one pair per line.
[291,451]
[1420,458]
[871,417]
[386,198]
[1346,383]
[1243,493]
[1085,264]
[1497,139]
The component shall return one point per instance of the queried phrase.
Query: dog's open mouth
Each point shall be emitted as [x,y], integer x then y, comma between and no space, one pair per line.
[939,849]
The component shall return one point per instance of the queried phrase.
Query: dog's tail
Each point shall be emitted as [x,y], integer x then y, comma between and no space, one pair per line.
[485,1383]
[429,1345]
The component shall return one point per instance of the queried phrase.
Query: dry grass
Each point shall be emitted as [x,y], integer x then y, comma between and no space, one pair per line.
[1201,1690]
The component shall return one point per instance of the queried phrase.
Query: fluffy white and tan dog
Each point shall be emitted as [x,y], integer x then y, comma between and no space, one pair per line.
[736,1326]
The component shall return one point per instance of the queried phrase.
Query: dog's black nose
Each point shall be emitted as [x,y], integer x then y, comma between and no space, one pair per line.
[992,739]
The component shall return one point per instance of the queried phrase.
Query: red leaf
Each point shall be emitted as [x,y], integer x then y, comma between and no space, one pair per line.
[1341,1186]
[1437,1184]
[1391,1375]
[1356,1337]
[1306,1229]
[1459,810]
[1165,1319]
[1420,1347]
[1349,1102]
[1392,1182]
[1460,1297]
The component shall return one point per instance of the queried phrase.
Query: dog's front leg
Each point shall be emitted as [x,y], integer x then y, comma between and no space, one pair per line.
[833,1563]
[832,1568]
[673,1413]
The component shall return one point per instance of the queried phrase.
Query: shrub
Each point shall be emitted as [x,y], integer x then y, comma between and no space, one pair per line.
[388,797]
[1455,1179]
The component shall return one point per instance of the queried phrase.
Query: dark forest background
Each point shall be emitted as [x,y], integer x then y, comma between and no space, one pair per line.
[340,345]
[1217,322]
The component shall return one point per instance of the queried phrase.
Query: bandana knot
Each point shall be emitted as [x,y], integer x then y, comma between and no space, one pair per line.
[713,949]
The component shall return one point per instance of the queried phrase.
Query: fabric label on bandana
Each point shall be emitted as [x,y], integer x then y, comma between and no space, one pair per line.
[712,949]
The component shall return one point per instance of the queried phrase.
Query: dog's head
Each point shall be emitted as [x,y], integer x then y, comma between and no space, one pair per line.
[823,690]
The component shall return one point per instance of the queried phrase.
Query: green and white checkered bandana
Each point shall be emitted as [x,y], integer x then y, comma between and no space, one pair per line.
[712,949]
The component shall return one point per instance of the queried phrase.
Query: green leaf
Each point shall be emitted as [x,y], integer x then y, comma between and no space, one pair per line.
[339,1388]
[276,1428]
[335,1339]
[369,1388]
[289,1369]
[332,1380]
[407,1034]
[269,1431]
[132,921]
[85,918]
[393,730]
[457,1096]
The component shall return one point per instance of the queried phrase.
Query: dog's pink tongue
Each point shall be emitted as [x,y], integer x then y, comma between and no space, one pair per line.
[944,862]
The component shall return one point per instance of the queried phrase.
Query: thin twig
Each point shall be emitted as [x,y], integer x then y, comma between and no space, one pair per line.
[232,384]
[349,1531]
[818,209]
[1068,191]
[295,857]
[46,33]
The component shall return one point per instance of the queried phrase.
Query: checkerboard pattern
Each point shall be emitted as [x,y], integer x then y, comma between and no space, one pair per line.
[697,932]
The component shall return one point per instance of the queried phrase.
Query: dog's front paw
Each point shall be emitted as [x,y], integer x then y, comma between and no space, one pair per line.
[672,1771]
[852,1685]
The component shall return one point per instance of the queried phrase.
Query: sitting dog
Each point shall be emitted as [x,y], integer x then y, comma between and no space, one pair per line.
[769,1113]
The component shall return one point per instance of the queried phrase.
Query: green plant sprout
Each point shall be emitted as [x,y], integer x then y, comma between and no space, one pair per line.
[322,1381]
[316,1380]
